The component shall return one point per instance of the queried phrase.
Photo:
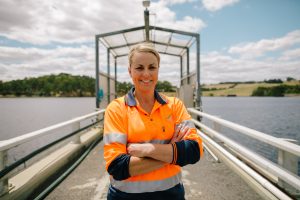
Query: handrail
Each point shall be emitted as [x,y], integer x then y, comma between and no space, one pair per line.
[279,143]
[260,179]
[20,161]
[266,164]
[10,143]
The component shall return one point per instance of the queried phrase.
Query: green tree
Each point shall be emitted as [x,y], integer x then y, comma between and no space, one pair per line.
[62,84]
[123,88]
[288,79]
[164,86]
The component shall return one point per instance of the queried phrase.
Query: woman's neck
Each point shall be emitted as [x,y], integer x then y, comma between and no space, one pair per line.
[146,100]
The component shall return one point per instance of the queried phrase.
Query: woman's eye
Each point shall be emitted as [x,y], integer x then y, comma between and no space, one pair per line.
[139,68]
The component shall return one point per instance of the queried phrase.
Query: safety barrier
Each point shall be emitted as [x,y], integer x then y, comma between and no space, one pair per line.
[274,173]
[82,138]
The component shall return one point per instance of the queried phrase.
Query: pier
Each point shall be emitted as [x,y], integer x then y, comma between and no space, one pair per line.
[72,167]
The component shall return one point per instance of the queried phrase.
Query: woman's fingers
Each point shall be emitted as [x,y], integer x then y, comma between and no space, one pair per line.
[139,150]
[180,132]
[183,132]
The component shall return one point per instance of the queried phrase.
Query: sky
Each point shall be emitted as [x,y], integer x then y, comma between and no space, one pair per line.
[240,40]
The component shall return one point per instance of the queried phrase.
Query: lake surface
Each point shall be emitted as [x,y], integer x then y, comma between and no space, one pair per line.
[23,115]
[279,117]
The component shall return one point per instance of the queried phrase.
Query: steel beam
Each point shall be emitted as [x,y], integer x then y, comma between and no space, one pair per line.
[97,71]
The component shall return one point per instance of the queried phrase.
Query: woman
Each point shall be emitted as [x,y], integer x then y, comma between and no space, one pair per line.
[148,137]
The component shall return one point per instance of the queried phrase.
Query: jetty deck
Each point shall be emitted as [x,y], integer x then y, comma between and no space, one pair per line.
[208,180]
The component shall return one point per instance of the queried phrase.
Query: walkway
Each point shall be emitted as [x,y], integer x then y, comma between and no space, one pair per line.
[205,180]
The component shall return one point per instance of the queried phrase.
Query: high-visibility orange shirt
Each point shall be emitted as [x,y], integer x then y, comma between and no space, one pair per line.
[126,122]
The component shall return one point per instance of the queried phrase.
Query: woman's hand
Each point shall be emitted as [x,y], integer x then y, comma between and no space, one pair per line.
[140,150]
[181,131]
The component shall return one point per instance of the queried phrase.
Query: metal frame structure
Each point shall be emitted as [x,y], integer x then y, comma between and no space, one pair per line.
[170,45]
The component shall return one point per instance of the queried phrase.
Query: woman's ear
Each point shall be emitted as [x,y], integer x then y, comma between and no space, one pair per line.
[129,70]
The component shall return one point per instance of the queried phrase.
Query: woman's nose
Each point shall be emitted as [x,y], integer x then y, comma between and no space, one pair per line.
[146,72]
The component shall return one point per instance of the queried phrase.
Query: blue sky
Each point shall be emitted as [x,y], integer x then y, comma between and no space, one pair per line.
[249,21]
[241,40]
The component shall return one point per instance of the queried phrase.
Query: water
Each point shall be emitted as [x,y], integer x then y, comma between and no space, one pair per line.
[23,115]
[19,116]
[279,117]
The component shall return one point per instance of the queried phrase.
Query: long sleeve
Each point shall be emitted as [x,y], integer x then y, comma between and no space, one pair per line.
[190,149]
[115,141]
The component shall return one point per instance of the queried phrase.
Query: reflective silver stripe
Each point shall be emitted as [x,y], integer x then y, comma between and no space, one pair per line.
[146,186]
[157,141]
[122,138]
[115,137]
[188,123]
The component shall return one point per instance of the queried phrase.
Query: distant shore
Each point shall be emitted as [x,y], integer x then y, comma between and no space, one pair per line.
[244,89]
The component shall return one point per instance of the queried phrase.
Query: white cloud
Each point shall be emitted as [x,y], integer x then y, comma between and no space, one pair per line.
[42,22]
[214,5]
[217,67]
[257,49]
[173,2]
[164,17]
[18,63]
[290,55]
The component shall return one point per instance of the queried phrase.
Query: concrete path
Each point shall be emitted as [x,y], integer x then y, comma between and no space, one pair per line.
[205,180]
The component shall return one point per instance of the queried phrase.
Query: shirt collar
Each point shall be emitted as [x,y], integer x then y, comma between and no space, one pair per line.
[130,99]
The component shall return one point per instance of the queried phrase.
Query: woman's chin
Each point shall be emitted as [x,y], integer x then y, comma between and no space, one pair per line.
[143,88]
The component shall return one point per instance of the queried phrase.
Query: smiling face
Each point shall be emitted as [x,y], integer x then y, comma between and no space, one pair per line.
[144,71]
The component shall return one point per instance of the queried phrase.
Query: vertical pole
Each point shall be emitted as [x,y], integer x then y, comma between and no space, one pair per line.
[108,75]
[188,65]
[146,18]
[288,161]
[4,180]
[75,127]
[181,62]
[116,77]
[216,126]
[97,71]
[198,86]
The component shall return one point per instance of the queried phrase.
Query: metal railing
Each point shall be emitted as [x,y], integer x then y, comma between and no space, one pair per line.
[267,190]
[268,166]
[14,142]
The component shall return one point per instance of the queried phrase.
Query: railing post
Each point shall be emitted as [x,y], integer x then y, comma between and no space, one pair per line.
[288,161]
[4,180]
[216,127]
[75,127]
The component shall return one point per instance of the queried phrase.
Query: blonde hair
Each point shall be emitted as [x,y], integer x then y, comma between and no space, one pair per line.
[143,47]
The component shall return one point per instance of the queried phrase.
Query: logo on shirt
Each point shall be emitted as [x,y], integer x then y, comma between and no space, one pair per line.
[169,117]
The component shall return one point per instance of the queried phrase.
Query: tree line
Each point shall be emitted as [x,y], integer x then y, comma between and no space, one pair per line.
[50,85]
[275,80]
[277,91]
[65,85]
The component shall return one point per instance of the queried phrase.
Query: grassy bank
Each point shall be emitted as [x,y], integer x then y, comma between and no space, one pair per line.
[240,89]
